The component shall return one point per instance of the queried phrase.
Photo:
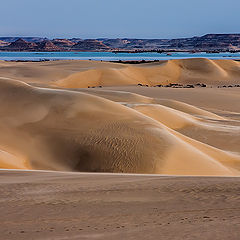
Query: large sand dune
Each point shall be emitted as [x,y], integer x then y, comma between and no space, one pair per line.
[172,71]
[66,130]
[81,74]
[108,130]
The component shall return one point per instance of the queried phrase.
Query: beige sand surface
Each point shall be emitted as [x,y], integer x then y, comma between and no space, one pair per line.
[47,205]
[173,71]
[76,73]
[75,131]
[129,129]
[222,102]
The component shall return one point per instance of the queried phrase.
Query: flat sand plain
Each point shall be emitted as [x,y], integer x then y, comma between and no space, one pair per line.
[48,205]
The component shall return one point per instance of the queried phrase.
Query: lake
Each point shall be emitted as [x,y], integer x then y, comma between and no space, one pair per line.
[109,56]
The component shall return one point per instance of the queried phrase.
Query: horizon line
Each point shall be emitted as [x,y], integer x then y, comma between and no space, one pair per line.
[51,38]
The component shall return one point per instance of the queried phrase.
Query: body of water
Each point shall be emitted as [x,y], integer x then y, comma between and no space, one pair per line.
[109,56]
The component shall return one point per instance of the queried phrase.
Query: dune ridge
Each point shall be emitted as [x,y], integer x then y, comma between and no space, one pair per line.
[60,129]
[185,71]
[83,74]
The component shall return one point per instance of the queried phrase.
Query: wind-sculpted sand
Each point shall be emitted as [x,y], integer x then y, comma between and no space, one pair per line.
[165,72]
[107,130]
[81,74]
[55,205]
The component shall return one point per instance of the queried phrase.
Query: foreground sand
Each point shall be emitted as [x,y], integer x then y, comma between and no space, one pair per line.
[48,205]
[46,124]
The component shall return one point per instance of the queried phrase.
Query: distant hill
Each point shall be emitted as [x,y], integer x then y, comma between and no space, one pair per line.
[47,46]
[90,45]
[28,39]
[208,42]
[63,43]
[21,45]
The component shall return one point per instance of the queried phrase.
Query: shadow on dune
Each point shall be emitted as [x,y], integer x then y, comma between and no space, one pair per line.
[73,131]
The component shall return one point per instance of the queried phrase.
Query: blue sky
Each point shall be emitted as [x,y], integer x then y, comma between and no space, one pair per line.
[123,18]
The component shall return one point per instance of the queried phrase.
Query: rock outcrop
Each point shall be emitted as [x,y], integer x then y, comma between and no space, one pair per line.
[90,45]
[47,46]
[21,45]
[209,42]
[206,43]
[63,43]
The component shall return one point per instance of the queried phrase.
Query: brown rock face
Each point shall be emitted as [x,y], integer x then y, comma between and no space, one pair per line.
[90,45]
[47,46]
[207,43]
[21,45]
[63,43]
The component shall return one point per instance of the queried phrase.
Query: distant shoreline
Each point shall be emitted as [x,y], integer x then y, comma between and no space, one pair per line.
[134,62]
[121,57]
[125,51]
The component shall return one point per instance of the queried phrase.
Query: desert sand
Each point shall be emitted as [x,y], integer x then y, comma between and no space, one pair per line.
[87,116]
[47,122]
[48,205]
[81,74]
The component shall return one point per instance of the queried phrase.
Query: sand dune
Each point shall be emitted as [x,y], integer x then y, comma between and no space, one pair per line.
[131,98]
[47,72]
[9,161]
[186,71]
[81,74]
[75,131]
[169,117]
[110,130]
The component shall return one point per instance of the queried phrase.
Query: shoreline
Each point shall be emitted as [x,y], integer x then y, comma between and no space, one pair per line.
[122,58]
[192,51]
[134,62]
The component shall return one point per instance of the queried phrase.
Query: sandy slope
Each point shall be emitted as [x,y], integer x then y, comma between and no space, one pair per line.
[173,71]
[111,130]
[67,130]
[220,130]
[75,74]
[47,205]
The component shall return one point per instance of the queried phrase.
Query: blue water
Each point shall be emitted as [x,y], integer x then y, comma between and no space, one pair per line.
[109,56]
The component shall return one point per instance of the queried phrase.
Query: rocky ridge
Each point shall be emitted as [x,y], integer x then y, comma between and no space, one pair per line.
[208,43]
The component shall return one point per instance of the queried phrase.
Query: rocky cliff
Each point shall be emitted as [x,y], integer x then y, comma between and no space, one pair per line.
[209,42]
[90,45]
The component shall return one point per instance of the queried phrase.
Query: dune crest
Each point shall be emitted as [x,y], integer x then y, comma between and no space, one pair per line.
[185,71]
[83,74]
